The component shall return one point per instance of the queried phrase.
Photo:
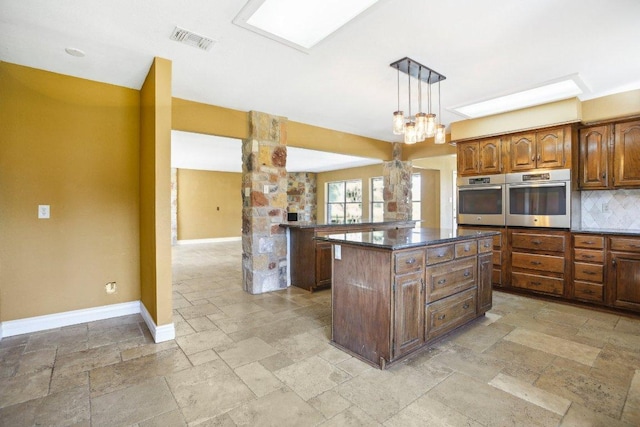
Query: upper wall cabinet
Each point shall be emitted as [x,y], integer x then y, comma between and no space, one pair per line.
[593,148]
[626,155]
[480,157]
[544,149]
[609,156]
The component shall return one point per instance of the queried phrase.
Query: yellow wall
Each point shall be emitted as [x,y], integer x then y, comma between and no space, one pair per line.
[624,104]
[445,165]
[71,144]
[365,173]
[155,192]
[429,197]
[209,204]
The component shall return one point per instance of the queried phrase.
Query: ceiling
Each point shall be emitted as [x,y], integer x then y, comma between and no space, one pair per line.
[485,49]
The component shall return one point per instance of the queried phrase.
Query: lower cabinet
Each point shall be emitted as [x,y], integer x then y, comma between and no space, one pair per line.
[588,268]
[624,273]
[449,313]
[485,266]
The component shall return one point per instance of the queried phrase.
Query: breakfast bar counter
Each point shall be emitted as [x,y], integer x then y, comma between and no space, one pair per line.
[395,291]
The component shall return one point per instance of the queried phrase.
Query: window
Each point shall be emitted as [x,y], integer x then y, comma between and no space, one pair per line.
[377,199]
[416,195]
[344,202]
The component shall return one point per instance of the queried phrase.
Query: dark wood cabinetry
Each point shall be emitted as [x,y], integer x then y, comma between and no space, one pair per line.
[609,156]
[387,303]
[538,260]
[624,269]
[480,157]
[310,259]
[543,149]
[498,253]
[588,268]
[626,155]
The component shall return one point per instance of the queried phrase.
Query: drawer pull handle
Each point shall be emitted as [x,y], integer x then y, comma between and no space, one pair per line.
[440,255]
[442,281]
[411,261]
[536,242]
[590,273]
[442,316]
[589,242]
[465,306]
[536,262]
[588,256]
[487,245]
[467,273]
[588,292]
[536,283]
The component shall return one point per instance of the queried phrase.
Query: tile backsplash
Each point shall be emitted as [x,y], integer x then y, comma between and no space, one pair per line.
[621,209]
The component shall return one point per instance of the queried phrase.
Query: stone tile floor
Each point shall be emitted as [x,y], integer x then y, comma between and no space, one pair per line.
[265,360]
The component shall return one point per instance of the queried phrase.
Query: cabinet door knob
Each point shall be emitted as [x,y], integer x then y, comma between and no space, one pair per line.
[465,306]
[604,175]
[442,316]
[411,261]
[467,273]
[442,281]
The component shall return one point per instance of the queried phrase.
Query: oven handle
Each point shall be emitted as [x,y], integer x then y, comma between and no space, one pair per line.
[537,184]
[493,187]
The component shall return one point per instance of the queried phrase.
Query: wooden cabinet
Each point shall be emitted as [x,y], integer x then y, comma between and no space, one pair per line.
[310,259]
[498,251]
[593,163]
[626,155]
[543,149]
[408,289]
[624,269]
[538,260]
[609,156]
[588,268]
[388,303]
[480,157]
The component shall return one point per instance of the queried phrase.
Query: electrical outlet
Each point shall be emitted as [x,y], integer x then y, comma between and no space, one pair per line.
[44,211]
[605,207]
[111,288]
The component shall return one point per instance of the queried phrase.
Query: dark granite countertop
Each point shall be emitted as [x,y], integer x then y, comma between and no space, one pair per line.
[634,233]
[405,237]
[315,224]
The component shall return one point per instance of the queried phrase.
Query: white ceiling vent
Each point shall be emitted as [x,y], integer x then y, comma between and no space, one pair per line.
[192,39]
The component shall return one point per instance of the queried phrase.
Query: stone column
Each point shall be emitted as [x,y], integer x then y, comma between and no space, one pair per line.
[302,195]
[397,187]
[264,203]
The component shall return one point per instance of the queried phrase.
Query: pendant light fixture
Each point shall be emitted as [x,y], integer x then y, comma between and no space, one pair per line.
[423,125]
[440,136]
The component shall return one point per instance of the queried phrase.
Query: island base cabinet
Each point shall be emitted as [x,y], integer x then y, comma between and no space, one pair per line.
[485,298]
[449,313]
[408,313]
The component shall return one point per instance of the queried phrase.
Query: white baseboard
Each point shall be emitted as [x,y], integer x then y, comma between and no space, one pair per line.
[67,318]
[159,333]
[214,240]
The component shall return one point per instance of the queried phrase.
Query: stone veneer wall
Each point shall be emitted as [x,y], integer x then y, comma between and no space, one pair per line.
[302,195]
[396,176]
[264,204]
[621,212]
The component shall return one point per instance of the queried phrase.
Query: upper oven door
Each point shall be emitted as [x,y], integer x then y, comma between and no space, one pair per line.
[539,204]
[481,205]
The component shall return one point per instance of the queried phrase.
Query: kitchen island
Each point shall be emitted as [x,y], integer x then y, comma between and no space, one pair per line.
[394,291]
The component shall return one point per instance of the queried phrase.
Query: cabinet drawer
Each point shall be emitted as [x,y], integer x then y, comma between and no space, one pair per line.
[447,314]
[440,254]
[496,276]
[588,272]
[497,258]
[591,242]
[553,264]
[550,285]
[541,242]
[450,278]
[588,291]
[588,255]
[625,245]
[407,262]
[464,249]
[485,245]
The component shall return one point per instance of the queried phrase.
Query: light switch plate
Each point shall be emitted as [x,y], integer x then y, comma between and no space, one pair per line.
[337,251]
[44,211]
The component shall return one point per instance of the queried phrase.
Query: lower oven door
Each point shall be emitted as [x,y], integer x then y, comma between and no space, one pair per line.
[545,204]
[481,205]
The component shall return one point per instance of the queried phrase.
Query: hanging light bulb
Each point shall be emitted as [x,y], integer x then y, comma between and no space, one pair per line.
[430,119]
[421,118]
[410,136]
[398,116]
[440,136]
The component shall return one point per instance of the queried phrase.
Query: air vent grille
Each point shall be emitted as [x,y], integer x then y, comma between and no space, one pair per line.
[192,39]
